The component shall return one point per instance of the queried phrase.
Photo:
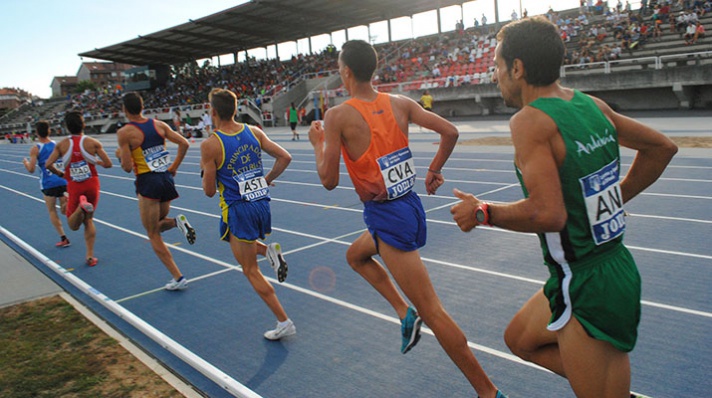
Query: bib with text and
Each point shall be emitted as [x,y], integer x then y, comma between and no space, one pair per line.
[398,172]
[253,185]
[79,171]
[604,203]
[157,158]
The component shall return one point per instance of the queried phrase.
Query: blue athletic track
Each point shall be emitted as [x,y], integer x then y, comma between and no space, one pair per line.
[348,338]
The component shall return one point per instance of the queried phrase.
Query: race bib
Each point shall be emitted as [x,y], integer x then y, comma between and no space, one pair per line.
[59,165]
[398,172]
[157,161]
[79,171]
[604,203]
[252,186]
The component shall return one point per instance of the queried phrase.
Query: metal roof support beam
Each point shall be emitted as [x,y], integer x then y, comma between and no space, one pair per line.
[179,43]
[206,37]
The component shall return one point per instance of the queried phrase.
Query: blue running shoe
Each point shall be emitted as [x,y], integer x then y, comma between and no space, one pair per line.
[500,394]
[410,330]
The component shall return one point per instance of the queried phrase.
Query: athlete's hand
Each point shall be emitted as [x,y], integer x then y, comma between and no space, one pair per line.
[464,212]
[316,133]
[433,181]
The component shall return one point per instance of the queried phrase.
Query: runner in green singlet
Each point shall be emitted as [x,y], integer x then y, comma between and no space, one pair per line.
[584,321]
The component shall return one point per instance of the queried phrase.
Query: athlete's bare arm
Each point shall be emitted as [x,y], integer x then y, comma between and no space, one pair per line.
[430,120]
[535,137]
[32,162]
[327,145]
[59,150]
[210,158]
[281,156]
[172,136]
[123,152]
[98,150]
[655,151]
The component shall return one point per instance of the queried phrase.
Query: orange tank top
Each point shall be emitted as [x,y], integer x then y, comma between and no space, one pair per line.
[386,170]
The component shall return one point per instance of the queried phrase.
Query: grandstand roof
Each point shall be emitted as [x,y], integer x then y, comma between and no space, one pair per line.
[258,23]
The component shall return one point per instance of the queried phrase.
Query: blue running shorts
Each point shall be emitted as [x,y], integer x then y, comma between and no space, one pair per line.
[399,222]
[156,186]
[248,221]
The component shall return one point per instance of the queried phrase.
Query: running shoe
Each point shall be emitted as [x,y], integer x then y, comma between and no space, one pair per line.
[499,394]
[85,205]
[410,330]
[277,261]
[277,333]
[179,284]
[184,226]
[63,243]
[92,261]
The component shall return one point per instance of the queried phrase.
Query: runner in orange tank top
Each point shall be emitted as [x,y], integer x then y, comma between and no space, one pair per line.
[371,130]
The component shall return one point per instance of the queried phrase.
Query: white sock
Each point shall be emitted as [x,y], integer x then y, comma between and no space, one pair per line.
[283,324]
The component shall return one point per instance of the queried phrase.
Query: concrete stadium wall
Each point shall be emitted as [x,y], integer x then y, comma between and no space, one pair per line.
[682,87]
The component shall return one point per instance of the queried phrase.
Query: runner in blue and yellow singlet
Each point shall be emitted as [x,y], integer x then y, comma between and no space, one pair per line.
[231,163]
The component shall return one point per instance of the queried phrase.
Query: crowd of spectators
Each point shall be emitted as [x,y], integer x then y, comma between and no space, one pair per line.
[629,29]
[457,58]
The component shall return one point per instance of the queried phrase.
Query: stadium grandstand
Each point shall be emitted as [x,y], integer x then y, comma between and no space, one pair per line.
[633,59]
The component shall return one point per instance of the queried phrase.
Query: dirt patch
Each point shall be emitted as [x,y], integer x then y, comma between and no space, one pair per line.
[682,142]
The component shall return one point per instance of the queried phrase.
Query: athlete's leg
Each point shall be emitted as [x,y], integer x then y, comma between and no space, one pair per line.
[76,219]
[411,275]
[51,203]
[166,223]
[595,368]
[360,258]
[246,255]
[63,204]
[89,233]
[150,211]
[528,338]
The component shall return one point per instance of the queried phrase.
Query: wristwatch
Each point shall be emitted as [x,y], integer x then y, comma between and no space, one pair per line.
[482,214]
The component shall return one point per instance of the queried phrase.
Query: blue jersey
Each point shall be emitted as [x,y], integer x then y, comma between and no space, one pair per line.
[240,176]
[47,178]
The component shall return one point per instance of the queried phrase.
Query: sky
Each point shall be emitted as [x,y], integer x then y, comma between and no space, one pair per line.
[41,39]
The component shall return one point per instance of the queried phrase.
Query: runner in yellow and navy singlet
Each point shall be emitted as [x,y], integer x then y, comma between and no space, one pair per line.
[151,161]
[142,148]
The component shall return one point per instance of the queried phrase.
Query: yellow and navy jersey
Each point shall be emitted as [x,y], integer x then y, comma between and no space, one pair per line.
[151,156]
[240,176]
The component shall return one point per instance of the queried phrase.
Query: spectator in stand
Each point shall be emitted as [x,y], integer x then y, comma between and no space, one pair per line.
[699,32]
[690,32]
[657,31]
[514,15]
[484,20]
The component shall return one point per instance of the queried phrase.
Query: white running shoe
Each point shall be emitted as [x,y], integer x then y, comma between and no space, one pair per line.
[184,226]
[277,261]
[177,285]
[279,332]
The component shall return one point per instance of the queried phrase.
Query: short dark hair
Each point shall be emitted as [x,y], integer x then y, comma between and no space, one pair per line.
[133,103]
[42,128]
[74,121]
[224,102]
[535,42]
[361,58]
